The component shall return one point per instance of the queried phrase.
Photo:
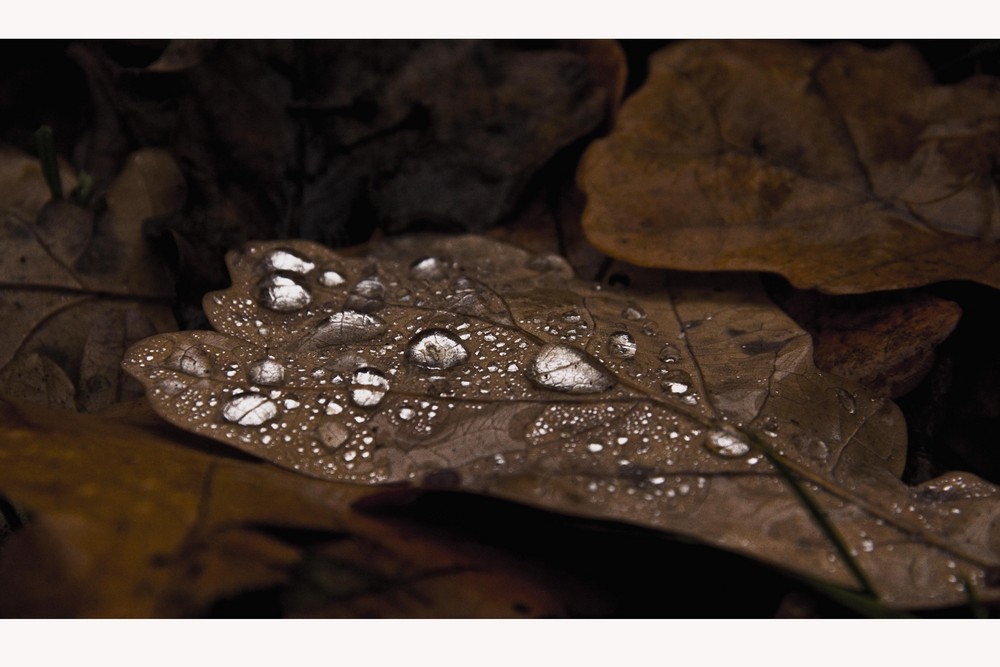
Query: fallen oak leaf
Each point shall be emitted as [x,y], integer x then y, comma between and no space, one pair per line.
[66,274]
[472,364]
[844,169]
[128,521]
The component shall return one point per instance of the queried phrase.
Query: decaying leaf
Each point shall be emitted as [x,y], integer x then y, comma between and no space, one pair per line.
[125,521]
[469,363]
[77,289]
[843,169]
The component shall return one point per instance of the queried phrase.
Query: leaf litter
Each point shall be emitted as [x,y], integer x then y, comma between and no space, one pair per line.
[663,406]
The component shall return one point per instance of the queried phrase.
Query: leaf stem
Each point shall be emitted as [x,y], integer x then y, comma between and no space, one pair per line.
[45,143]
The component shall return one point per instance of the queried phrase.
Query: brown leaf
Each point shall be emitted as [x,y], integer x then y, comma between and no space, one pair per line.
[129,522]
[843,169]
[475,365]
[69,280]
[884,341]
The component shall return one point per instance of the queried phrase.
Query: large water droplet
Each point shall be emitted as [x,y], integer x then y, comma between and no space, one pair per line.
[728,445]
[429,268]
[333,434]
[367,296]
[564,368]
[668,353]
[633,312]
[621,344]
[282,294]
[191,361]
[286,260]
[170,386]
[249,410]
[330,278]
[368,387]
[551,264]
[437,349]
[347,326]
[676,382]
[267,372]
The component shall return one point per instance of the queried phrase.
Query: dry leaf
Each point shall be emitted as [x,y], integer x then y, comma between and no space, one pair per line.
[128,522]
[464,362]
[77,289]
[843,169]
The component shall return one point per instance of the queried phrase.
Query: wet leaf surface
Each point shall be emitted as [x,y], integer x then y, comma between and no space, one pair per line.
[123,518]
[79,286]
[464,363]
[844,169]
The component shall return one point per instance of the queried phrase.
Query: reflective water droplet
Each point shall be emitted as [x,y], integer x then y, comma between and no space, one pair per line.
[728,445]
[347,326]
[282,294]
[595,447]
[333,434]
[407,413]
[333,408]
[286,260]
[564,368]
[846,399]
[331,278]
[170,386]
[368,387]
[571,317]
[267,373]
[249,410]
[621,344]
[551,264]
[633,312]
[668,353]
[676,382]
[191,361]
[437,349]
[649,329]
[429,268]
[367,296]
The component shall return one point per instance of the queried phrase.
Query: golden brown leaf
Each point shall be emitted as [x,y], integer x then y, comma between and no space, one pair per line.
[467,363]
[843,169]
[126,521]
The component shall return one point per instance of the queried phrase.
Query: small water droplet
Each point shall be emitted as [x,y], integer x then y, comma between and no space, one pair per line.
[633,312]
[847,400]
[649,329]
[728,445]
[267,372]
[191,361]
[368,387]
[564,368]
[367,296]
[551,264]
[347,326]
[282,294]
[571,317]
[333,434]
[595,447]
[429,268]
[331,278]
[407,413]
[437,349]
[676,382]
[249,410]
[621,344]
[170,386]
[334,408]
[668,353]
[286,260]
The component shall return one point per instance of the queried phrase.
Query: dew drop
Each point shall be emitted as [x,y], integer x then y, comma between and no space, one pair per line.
[191,361]
[437,349]
[367,296]
[282,294]
[727,445]
[676,382]
[170,386]
[333,408]
[285,260]
[429,268]
[551,264]
[668,353]
[333,434]
[633,312]
[621,344]
[594,447]
[564,368]
[407,413]
[267,373]
[368,387]
[347,326]
[249,410]
[331,278]
[847,400]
